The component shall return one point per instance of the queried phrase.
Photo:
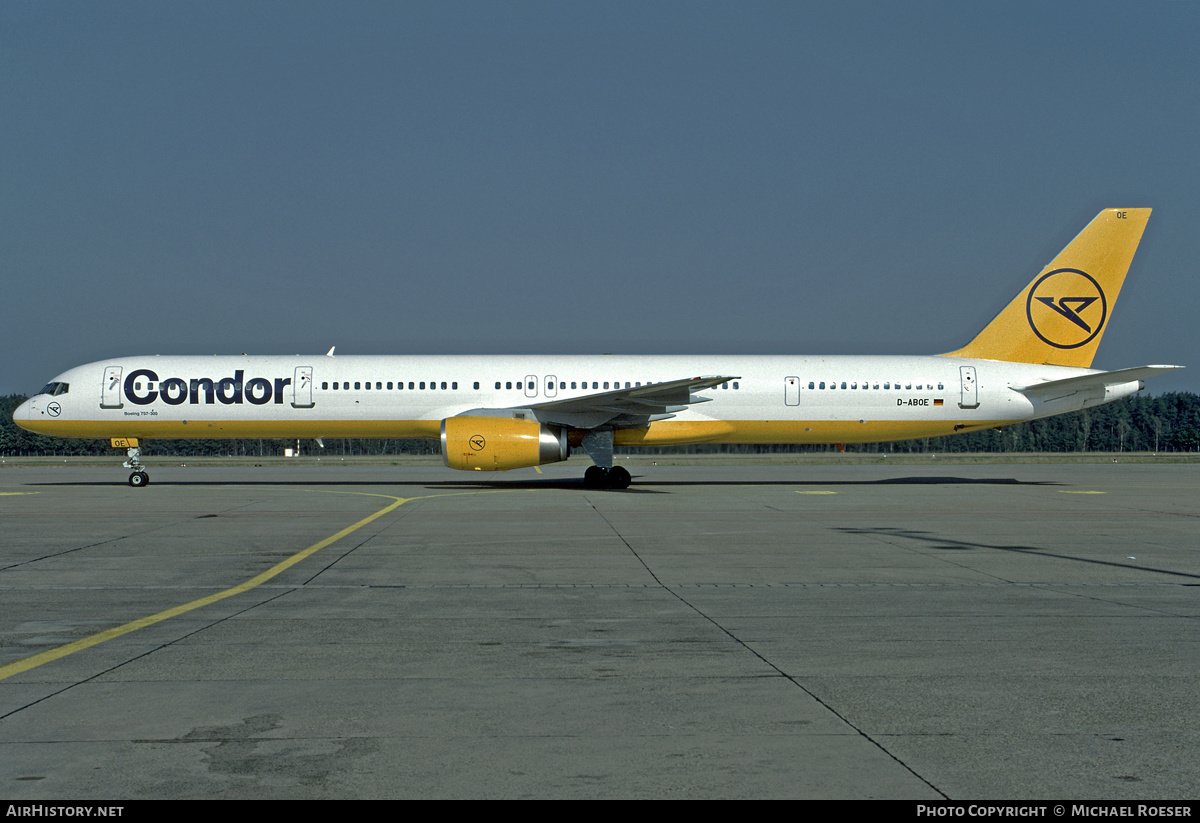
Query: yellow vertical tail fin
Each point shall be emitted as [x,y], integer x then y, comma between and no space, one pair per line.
[1058,318]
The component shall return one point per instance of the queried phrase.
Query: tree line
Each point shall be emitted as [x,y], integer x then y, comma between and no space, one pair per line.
[1163,423]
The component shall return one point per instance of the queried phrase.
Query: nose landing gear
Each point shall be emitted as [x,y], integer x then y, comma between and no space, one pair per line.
[133,452]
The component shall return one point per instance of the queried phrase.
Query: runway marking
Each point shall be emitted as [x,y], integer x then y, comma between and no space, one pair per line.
[1065,491]
[96,639]
[800,492]
[14,494]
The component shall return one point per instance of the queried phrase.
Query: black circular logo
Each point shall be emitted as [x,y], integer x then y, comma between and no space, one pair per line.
[477,442]
[1066,308]
[54,410]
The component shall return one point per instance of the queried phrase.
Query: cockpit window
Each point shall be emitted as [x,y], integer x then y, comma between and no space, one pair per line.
[55,389]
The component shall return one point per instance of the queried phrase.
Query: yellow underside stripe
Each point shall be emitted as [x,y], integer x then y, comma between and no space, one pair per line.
[667,432]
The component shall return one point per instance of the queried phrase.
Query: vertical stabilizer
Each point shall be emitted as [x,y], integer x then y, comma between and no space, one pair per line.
[1058,318]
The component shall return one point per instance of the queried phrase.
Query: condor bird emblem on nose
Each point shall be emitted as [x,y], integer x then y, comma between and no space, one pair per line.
[1066,308]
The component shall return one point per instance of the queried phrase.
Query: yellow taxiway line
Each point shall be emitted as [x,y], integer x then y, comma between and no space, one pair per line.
[87,642]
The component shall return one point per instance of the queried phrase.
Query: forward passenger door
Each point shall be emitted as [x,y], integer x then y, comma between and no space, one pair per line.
[302,390]
[110,390]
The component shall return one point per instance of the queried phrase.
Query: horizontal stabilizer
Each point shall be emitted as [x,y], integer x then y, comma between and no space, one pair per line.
[1098,380]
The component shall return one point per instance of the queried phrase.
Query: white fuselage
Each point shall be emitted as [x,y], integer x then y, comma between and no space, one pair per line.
[774,399]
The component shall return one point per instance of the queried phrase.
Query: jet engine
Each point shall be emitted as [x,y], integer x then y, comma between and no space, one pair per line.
[500,443]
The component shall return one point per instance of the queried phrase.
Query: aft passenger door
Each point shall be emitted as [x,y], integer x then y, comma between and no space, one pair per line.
[970,391]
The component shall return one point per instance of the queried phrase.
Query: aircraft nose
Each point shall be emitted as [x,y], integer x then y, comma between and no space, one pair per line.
[24,413]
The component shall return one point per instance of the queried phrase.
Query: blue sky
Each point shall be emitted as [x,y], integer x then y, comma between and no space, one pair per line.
[496,177]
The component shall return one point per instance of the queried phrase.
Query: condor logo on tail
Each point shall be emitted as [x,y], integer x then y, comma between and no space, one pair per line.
[1066,308]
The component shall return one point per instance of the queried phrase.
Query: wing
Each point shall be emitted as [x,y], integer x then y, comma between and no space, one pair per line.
[619,409]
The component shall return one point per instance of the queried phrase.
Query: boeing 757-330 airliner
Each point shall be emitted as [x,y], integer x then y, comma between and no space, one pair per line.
[506,412]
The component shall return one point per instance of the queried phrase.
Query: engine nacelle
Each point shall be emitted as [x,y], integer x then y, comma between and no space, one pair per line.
[500,443]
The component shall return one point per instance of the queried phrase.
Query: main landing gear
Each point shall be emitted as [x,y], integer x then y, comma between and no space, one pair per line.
[139,477]
[598,477]
[603,475]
